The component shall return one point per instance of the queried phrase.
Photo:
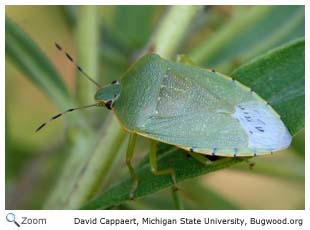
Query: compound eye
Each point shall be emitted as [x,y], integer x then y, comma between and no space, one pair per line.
[109,104]
[114,82]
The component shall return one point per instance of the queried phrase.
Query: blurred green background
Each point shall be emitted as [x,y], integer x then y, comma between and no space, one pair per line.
[35,161]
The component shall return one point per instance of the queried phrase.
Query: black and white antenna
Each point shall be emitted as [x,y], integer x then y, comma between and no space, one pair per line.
[77,65]
[73,109]
[60,114]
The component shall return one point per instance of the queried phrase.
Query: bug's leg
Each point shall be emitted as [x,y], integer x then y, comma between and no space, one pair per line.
[129,155]
[153,163]
[200,158]
[155,171]
[250,164]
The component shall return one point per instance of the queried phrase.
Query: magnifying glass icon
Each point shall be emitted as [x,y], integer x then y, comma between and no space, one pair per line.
[10,217]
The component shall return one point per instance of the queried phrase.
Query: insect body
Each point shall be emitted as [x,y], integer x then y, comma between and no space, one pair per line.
[195,109]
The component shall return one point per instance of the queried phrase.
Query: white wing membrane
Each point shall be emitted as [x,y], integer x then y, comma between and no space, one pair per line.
[265,130]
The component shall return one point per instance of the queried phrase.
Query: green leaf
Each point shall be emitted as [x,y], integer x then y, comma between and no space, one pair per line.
[205,198]
[33,62]
[299,144]
[278,76]
[250,32]
[131,27]
[170,157]
[194,193]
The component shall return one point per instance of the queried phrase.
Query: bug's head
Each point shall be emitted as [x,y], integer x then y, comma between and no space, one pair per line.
[108,94]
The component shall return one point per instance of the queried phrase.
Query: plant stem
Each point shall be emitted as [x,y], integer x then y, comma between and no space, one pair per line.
[80,142]
[87,53]
[172,29]
[177,199]
[97,165]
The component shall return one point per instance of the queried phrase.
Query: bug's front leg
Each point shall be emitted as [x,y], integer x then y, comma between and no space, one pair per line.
[129,155]
[155,171]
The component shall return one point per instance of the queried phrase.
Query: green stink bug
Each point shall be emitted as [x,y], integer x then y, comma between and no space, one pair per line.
[195,109]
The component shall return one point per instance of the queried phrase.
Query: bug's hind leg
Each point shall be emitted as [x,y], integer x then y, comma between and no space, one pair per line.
[129,155]
[155,171]
[200,158]
[248,162]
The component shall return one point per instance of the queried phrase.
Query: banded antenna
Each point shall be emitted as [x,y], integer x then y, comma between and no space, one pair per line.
[73,109]
[77,65]
[60,114]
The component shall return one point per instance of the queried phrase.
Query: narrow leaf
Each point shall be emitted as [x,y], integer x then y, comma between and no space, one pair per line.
[33,62]
[251,32]
[170,157]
